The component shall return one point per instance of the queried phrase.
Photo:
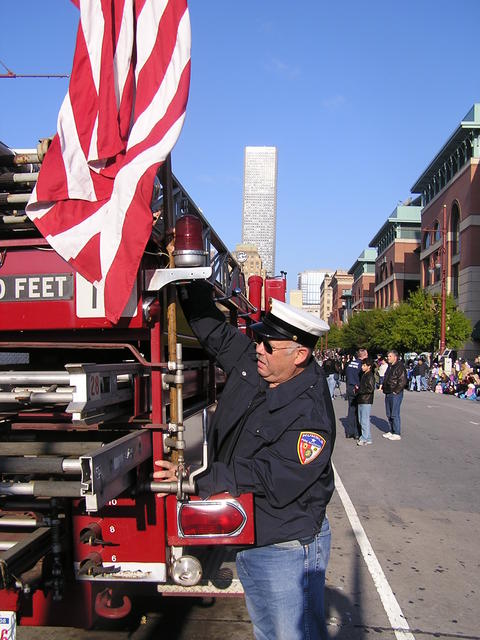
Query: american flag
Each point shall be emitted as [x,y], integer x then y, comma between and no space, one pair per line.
[120,119]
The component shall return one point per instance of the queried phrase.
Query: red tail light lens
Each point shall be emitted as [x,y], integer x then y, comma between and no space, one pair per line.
[210,519]
[188,234]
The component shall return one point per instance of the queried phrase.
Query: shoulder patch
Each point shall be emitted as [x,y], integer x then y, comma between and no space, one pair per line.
[309,446]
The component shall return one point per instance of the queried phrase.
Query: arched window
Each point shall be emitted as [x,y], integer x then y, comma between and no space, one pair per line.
[455,229]
[426,240]
[437,234]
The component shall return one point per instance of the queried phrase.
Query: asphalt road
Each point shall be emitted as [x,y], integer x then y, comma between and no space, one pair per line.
[418,501]
[405,549]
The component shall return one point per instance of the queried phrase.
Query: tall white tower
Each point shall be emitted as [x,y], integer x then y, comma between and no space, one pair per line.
[260,202]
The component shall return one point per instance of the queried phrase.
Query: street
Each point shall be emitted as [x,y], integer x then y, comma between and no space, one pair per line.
[405,518]
[418,501]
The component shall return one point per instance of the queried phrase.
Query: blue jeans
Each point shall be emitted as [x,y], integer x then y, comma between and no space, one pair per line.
[364,419]
[284,587]
[331,383]
[392,409]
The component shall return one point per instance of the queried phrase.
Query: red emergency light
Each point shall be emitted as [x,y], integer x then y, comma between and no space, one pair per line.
[189,250]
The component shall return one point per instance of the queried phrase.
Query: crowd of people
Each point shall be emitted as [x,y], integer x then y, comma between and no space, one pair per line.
[362,375]
[462,379]
[392,376]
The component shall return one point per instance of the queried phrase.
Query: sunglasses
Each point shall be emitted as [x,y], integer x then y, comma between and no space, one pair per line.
[269,348]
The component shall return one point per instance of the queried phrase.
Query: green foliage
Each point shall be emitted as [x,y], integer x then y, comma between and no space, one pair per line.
[356,333]
[458,326]
[411,326]
[334,341]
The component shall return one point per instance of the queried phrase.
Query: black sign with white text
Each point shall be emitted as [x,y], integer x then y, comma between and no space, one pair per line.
[28,288]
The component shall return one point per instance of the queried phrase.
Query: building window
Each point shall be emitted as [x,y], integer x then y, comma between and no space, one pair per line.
[455,229]
[426,240]
[436,232]
[455,280]
[426,274]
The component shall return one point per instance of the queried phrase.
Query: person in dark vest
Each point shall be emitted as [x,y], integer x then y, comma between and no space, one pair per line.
[273,433]
[353,372]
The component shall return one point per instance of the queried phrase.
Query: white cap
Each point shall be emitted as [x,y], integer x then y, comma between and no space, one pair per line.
[284,322]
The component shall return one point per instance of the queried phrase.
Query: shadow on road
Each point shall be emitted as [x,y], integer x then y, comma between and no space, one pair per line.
[380,423]
[346,615]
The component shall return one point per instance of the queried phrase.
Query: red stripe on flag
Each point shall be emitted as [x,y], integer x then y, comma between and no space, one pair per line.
[153,71]
[83,95]
[110,141]
[138,226]
[89,260]
[52,179]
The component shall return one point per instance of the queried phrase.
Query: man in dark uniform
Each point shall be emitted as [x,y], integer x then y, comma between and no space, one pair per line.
[273,435]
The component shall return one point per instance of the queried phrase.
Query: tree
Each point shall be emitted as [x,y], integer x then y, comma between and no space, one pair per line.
[458,327]
[413,325]
[333,338]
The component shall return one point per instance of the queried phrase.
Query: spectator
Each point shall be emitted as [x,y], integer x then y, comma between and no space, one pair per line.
[364,399]
[352,375]
[420,375]
[394,383]
[382,367]
[330,370]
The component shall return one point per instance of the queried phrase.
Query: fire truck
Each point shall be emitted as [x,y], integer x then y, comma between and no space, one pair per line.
[86,406]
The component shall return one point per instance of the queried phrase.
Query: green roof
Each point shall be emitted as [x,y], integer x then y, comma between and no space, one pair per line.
[367,255]
[470,122]
[403,214]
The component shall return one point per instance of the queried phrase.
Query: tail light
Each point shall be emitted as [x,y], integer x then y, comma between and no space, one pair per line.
[221,519]
[189,250]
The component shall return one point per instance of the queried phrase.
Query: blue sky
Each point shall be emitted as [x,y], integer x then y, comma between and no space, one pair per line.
[358,97]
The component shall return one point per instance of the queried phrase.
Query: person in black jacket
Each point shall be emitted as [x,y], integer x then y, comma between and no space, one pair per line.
[272,434]
[364,397]
[394,383]
[330,369]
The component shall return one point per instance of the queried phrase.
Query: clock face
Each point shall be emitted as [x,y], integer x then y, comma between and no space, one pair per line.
[241,256]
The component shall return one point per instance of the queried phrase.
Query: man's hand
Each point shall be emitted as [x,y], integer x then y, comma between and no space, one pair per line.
[168,473]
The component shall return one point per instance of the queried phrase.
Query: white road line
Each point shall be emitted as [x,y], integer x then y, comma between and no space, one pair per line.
[472,422]
[394,613]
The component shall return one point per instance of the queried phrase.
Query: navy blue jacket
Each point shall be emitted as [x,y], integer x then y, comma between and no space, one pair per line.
[274,442]
[353,372]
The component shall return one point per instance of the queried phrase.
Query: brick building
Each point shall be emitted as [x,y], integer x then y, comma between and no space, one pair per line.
[341,284]
[363,287]
[450,196]
[397,267]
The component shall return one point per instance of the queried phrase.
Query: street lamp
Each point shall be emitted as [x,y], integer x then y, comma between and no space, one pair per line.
[443,278]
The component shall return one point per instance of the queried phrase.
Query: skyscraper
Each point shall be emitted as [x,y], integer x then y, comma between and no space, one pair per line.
[260,202]
[310,283]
